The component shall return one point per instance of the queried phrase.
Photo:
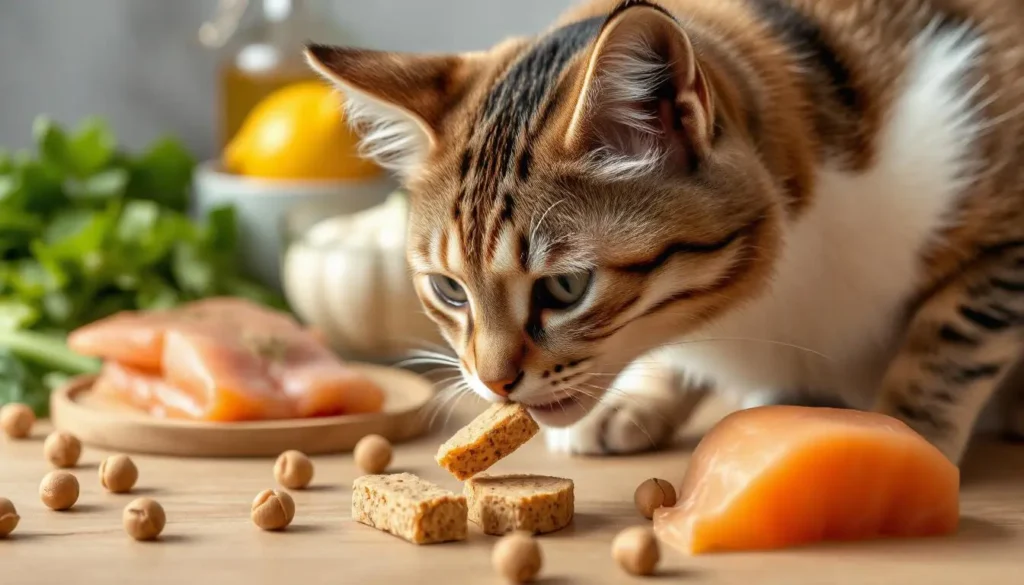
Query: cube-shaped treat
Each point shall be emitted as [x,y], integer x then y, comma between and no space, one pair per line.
[498,431]
[410,508]
[504,503]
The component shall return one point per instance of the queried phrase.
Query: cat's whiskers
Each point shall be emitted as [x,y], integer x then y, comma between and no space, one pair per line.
[448,380]
[456,404]
[444,397]
[434,354]
[419,357]
[618,393]
[628,415]
[599,392]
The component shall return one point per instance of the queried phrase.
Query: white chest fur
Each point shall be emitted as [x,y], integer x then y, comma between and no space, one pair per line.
[851,261]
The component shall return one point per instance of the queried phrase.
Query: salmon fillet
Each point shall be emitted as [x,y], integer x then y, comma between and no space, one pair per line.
[222,360]
[781,476]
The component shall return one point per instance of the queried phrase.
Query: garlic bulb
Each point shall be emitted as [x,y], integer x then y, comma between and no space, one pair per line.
[348,277]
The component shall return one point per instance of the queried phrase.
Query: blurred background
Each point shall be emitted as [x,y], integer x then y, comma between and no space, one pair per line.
[156,153]
[140,63]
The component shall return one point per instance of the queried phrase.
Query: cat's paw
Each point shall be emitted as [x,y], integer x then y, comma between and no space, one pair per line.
[614,428]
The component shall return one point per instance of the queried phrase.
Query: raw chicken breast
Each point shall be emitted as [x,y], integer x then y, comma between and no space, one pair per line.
[223,360]
[780,476]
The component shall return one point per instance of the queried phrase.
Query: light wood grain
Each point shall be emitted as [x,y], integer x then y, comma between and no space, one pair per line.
[209,538]
[103,423]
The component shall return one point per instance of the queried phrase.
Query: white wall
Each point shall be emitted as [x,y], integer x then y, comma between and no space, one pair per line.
[138,63]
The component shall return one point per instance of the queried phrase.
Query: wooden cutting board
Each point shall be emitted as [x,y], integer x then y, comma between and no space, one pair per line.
[74,408]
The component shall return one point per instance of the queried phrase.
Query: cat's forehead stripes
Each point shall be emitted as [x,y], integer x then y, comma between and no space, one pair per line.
[499,157]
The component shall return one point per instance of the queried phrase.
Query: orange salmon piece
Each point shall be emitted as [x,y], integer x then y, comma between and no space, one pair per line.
[124,338]
[146,391]
[229,382]
[229,360]
[781,476]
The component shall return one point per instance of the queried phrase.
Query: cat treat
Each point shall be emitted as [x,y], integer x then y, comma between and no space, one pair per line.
[500,504]
[410,508]
[497,432]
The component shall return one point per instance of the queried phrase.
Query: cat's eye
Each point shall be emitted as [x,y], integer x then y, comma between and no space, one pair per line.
[562,291]
[448,290]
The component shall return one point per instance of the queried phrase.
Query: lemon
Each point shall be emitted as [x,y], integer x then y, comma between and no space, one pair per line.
[298,132]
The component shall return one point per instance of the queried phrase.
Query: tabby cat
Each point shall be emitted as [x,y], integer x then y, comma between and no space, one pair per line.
[653,200]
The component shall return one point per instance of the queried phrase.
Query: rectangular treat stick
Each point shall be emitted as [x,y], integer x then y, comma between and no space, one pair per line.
[497,432]
[410,508]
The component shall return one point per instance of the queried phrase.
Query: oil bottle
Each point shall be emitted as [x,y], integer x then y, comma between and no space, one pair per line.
[259,45]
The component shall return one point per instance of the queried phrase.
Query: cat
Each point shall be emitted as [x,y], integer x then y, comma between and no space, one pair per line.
[655,200]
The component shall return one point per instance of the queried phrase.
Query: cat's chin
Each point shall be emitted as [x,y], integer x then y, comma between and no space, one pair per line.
[562,413]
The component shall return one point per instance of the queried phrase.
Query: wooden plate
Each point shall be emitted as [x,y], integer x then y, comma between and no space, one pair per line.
[110,425]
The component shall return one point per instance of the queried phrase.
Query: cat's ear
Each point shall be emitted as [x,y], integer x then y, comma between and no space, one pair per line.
[396,101]
[644,99]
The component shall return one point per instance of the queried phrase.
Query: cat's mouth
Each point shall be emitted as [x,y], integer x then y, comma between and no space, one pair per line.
[566,408]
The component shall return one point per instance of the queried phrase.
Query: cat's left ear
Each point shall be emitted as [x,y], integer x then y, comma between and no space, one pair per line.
[645,100]
[396,101]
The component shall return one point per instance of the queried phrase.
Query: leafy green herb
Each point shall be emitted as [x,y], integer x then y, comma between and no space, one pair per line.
[87,230]
[18,383]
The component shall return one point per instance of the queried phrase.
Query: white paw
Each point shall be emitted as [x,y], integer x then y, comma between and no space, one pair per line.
[650,401]
[614,428]
[559,440]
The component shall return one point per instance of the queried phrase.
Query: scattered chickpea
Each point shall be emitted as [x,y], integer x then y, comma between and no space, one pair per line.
[8,517]
[144,519]
[17,420]
[59,490]
[273,510]
[293,470]
[373,453]
[517,557]
[62,449]
[118,474]
[653,494]
[636,550]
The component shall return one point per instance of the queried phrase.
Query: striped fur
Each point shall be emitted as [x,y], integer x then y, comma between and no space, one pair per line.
[833,190]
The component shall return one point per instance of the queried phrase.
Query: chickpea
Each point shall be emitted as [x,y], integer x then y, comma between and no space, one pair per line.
[59,490]
[144,519]
[273,510]
[517,557]
[636,550]
[653,494]
[62,449]
[293,470]
[17,420]
[373,454]
[118,474]
[8,517]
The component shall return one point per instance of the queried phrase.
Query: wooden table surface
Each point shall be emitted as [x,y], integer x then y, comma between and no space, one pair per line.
[209,537]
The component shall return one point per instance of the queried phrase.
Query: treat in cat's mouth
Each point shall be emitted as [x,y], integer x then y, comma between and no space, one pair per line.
[496,433]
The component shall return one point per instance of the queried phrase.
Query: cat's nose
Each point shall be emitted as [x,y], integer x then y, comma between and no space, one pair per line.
[503,387]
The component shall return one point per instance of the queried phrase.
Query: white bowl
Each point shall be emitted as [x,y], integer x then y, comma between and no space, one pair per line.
[262,205]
